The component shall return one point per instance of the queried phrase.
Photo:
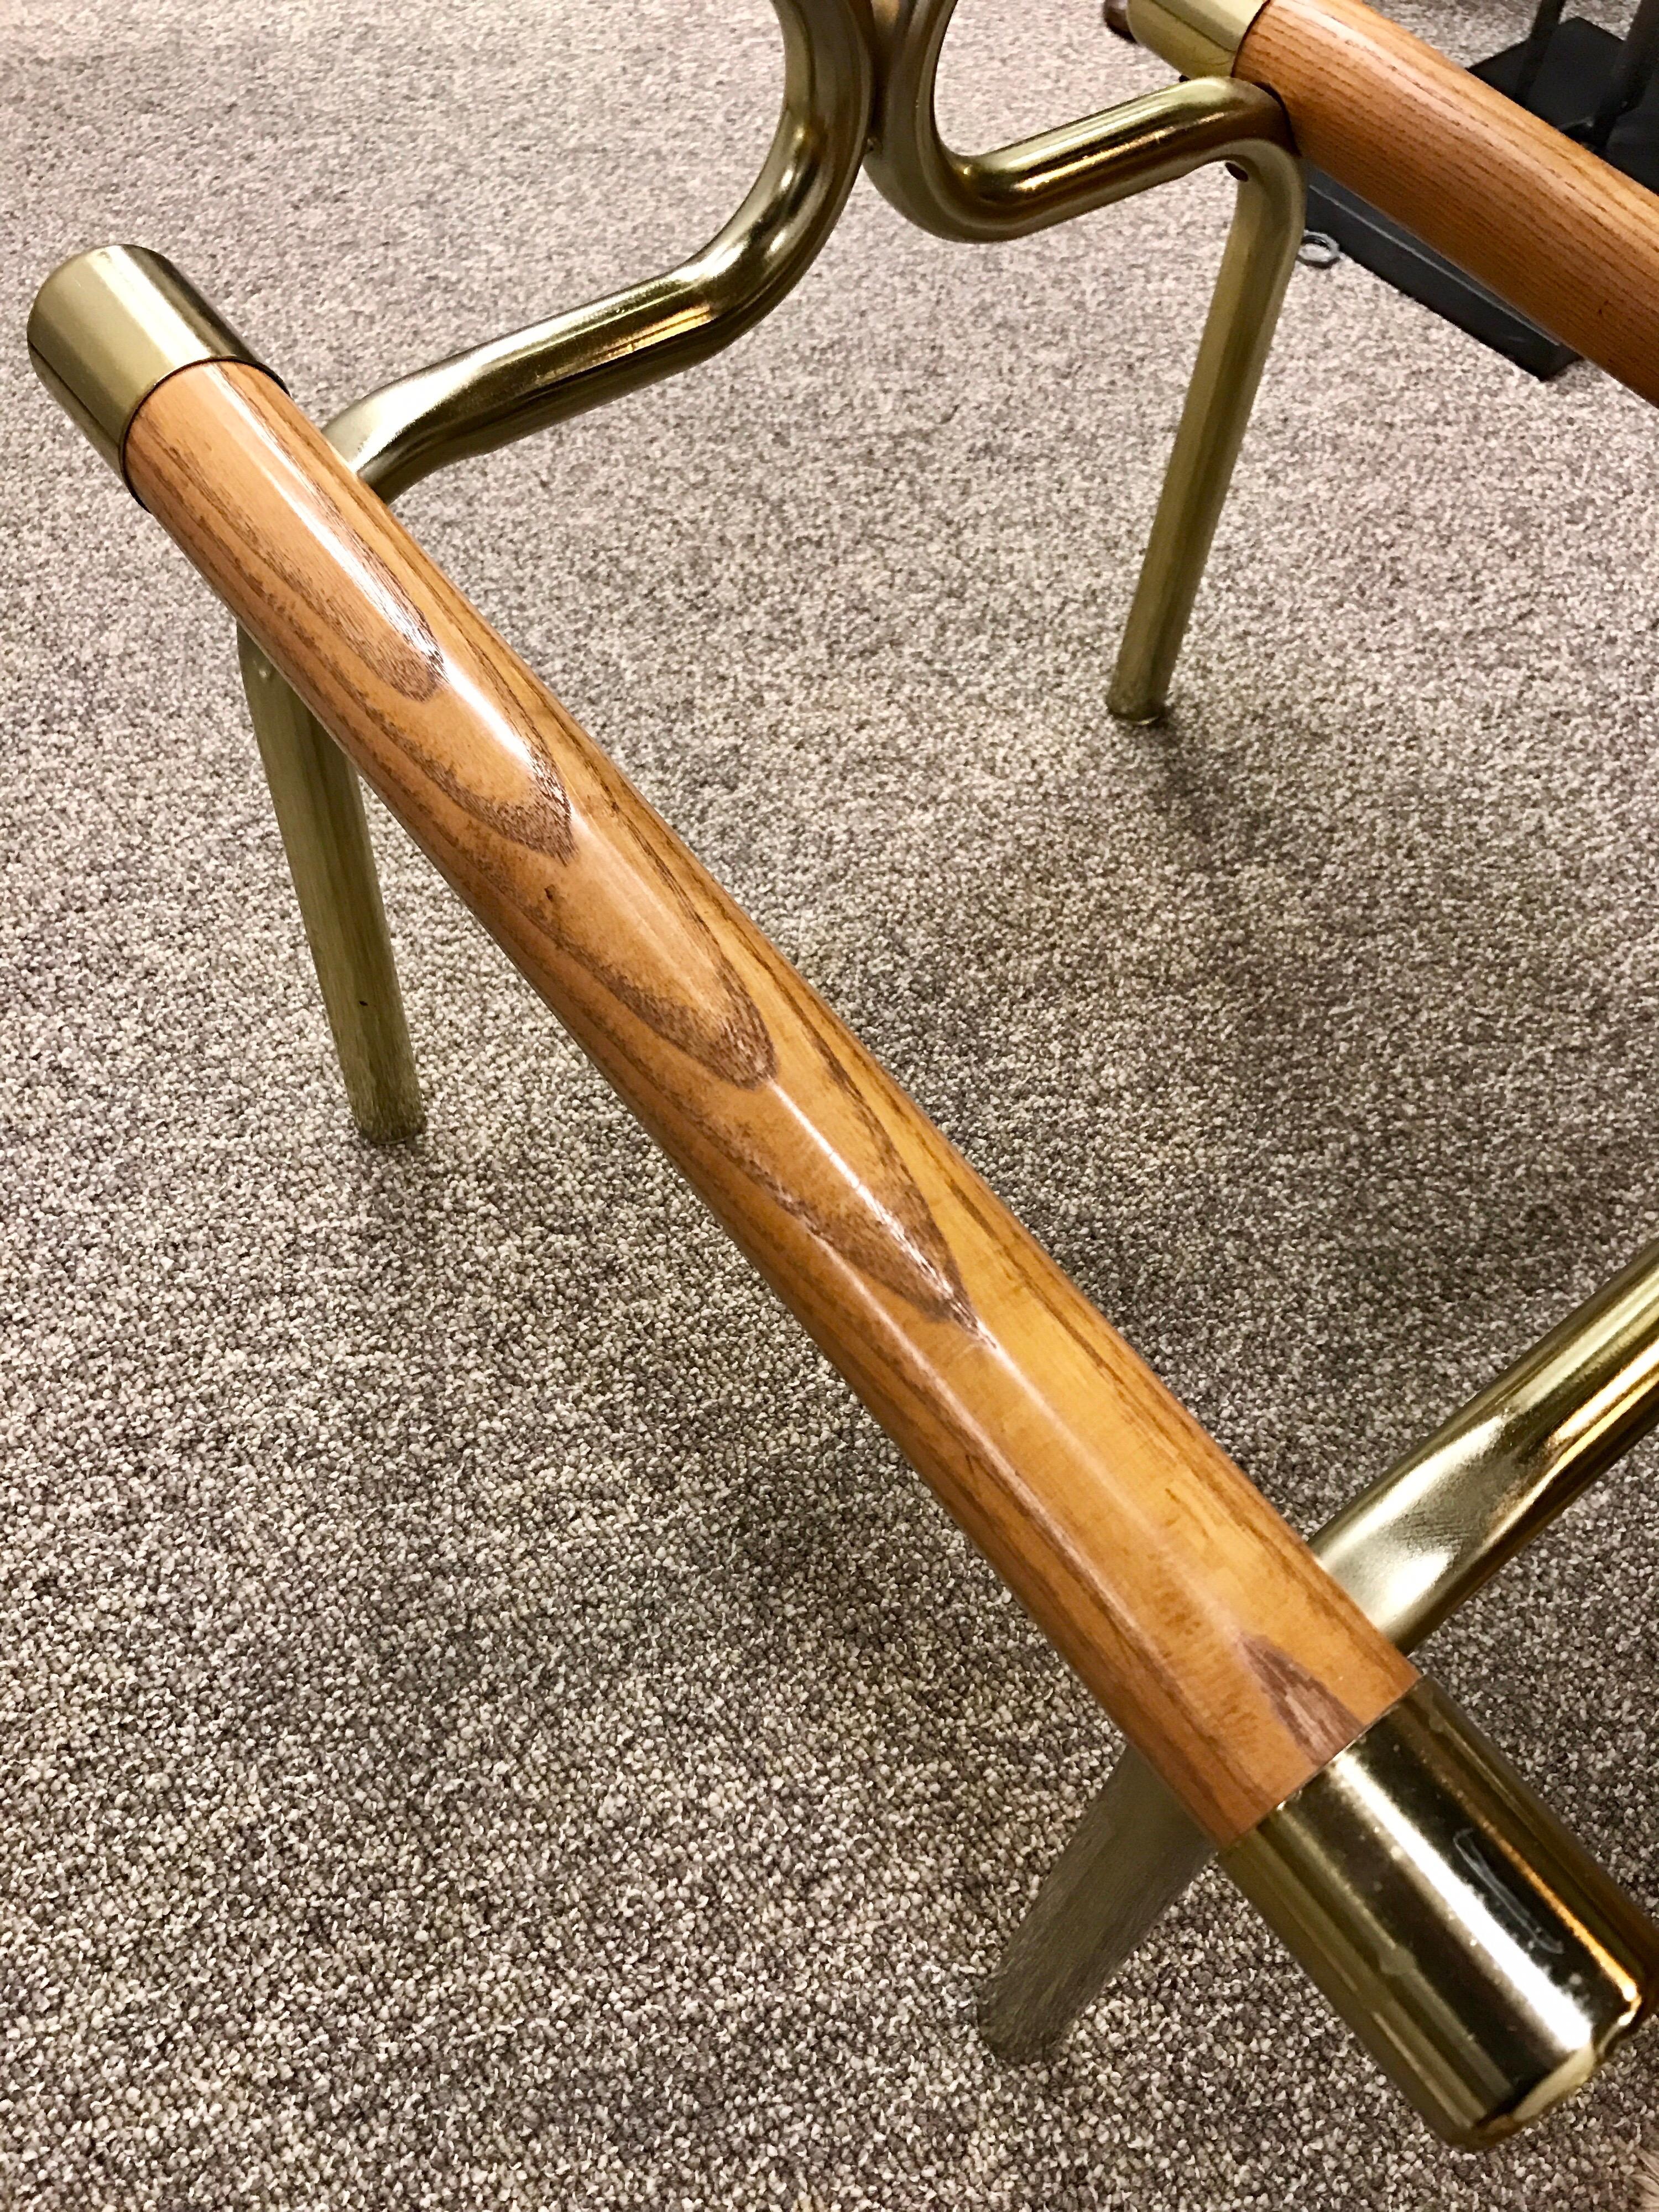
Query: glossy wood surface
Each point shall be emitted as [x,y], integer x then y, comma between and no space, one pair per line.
[1549,227]
[1188,1607]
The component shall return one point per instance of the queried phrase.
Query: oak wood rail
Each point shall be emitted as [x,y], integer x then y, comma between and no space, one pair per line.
[1189,1608]
[1556,232]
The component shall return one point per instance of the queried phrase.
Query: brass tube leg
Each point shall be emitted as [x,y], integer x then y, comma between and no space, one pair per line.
[1130,1857]
[1260,253]
[325,831]
[1411,1548]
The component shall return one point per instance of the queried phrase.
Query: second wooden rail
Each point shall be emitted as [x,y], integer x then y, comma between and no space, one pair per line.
[1556,232]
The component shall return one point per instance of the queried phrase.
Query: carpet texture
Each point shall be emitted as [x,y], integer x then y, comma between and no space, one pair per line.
[488,1720]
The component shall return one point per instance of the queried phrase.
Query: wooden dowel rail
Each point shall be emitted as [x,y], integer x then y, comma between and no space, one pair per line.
[1190,1609]
[1571,241]
[1555,231]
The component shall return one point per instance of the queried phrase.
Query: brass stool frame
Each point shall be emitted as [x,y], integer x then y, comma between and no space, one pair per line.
[858,87]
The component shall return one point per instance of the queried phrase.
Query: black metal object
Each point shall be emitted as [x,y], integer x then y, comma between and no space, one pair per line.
[1599,90]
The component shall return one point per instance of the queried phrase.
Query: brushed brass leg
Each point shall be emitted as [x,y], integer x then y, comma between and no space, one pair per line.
[1260,253]
[1411,1550]
[1130,1857]
[319,813]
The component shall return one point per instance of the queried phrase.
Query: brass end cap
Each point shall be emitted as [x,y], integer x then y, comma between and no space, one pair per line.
[1481,1955]
[110,325]
[1200,38]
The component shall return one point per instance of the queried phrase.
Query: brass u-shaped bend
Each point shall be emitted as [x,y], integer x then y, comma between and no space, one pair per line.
[1085,165]
[1025,187]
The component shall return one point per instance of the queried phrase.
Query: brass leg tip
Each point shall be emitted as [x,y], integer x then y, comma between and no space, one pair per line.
[1135,707]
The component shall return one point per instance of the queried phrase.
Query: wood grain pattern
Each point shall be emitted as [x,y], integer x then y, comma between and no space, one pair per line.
[1188,1607]
[1555,232]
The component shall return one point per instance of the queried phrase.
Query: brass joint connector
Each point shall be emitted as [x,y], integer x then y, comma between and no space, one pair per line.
[110,325]
[1200,38]
[1486,1960]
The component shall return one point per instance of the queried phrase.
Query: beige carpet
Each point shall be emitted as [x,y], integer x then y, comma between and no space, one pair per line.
[487,1720]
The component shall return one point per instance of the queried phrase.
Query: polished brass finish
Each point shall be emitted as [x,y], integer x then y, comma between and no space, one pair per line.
[1411,1548]
[1482,1957]
[1445,1519]
[107,326]
[1059,174]
[1026,186]
[494,393]
[319,806]
[1200,38]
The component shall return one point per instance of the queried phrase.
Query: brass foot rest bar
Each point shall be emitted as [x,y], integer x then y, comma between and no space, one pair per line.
[1411,1550]
[1488,1963]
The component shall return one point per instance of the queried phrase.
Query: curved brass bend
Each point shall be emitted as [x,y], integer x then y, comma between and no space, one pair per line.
[488,396]
[1089,164]
[494,393]
[1025,187]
